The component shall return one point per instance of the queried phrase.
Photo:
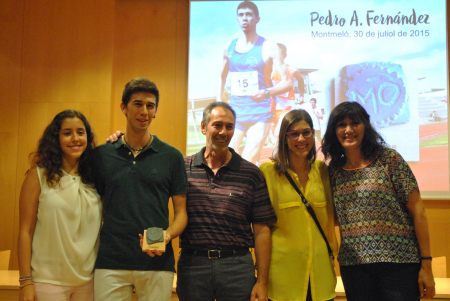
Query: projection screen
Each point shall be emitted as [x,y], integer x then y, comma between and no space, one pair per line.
[388,55]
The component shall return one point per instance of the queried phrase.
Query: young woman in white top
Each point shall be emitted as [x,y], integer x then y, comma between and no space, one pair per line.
[60,214]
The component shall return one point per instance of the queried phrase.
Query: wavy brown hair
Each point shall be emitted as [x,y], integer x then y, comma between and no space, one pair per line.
[49,154]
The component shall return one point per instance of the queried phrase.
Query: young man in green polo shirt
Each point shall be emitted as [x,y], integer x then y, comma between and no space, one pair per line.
[136,177]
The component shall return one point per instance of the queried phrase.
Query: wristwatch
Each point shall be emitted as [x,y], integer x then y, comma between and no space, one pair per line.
[266,94]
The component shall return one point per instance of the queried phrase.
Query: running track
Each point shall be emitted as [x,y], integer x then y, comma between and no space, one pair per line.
[432,170]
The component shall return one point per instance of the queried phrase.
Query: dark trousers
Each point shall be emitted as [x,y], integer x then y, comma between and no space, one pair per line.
[222,279]
[381,281]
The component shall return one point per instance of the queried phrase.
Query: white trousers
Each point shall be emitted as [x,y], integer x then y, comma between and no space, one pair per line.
[53,292]
[118,285]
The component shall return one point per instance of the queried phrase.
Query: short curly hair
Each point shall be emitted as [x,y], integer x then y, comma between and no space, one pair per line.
[49,154]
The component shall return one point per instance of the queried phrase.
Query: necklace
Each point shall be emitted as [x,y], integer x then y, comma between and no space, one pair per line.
[138,149]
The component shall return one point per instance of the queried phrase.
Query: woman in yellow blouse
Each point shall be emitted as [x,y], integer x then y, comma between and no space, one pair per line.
[300,268]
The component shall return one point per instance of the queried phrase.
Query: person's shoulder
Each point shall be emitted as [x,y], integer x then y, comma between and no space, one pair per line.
[389,150]
[227,44]
[35,171]
[332,170]
[104,147]
[268,165]
[270,171]
[322,168]
[188,159]
[269,44]
[106,144]
[389,157]
[248,166]
[388,153]
[320,165]
[167,148]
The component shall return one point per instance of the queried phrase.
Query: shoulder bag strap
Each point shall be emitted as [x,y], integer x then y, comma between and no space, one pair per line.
[311,211]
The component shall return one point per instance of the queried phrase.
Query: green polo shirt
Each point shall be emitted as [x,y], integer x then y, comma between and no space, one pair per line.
[136,191]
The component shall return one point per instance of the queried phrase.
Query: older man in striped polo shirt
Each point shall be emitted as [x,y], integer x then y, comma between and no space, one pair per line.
[227,196]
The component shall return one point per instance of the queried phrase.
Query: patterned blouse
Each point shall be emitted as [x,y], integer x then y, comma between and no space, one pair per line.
[370,202]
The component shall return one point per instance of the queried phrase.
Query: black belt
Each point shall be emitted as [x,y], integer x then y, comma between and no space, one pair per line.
[211,254]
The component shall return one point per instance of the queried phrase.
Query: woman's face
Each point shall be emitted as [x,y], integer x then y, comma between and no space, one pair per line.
[300,139]
[350,133]
[72,138]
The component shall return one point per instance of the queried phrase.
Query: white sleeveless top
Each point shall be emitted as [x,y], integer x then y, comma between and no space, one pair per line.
[66,238]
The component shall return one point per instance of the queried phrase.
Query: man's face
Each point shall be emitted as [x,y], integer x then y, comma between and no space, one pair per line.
[219,130]
[313,104]
[247,19]
[140,111]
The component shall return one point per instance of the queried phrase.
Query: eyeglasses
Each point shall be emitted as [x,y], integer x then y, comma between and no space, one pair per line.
[294,135]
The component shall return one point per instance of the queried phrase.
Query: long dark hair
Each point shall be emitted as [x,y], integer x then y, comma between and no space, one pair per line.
[372,141]
[281,153]
[49,154]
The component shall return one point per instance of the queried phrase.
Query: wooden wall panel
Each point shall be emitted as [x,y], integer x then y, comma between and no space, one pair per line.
[8,162]
[67,51]
[181,74]
[11,24]
[66,63]
[151,40]
[438,214]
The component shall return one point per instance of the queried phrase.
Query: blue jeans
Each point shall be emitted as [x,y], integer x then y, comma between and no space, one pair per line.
[224,279]
[381,281]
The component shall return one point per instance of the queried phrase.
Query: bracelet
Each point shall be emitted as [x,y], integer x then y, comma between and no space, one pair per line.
[24,278]
[427,258]
[26,284]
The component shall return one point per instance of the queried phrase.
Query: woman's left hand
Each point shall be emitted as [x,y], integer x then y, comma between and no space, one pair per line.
[417,211]
[426,281]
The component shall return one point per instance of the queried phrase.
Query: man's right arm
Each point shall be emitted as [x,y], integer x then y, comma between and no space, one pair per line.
[271,50]
[224,68]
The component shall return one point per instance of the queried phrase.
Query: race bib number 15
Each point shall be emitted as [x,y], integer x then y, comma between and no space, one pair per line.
[244,83]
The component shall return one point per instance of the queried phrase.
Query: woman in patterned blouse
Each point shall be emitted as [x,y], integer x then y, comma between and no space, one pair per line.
[385,245]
